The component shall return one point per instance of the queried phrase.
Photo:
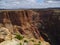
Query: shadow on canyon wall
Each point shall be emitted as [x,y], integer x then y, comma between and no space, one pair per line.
[50,24]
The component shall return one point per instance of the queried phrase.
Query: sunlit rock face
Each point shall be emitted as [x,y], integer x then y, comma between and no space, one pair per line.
[23,22]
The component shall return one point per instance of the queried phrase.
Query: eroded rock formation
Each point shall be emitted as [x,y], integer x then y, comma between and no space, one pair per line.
[23,22]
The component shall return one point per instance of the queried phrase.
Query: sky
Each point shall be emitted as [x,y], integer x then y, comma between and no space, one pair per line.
[17,4]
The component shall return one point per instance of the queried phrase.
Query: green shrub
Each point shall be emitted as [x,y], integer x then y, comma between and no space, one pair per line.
[25,41]
[19,37]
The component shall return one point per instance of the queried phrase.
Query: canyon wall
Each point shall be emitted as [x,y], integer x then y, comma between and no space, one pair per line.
[23,21]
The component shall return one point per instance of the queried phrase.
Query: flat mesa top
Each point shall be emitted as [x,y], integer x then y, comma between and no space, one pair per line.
[15,10]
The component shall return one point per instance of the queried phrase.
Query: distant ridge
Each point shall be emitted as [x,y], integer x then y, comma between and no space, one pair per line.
[33,8]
